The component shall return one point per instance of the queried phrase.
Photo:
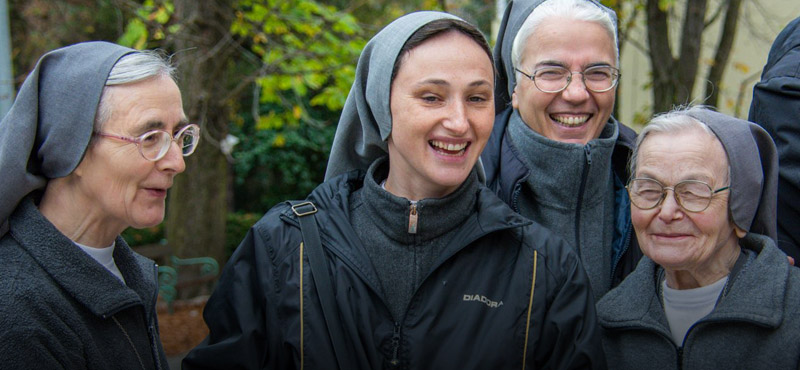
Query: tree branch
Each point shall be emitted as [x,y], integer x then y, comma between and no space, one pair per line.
[689,57]
[723,52]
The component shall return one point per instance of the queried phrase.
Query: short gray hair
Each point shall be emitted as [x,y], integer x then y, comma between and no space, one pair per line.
[580,10]
[674,121]
[132,68]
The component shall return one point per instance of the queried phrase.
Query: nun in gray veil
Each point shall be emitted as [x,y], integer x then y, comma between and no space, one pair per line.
[713,290]
[89,148]
[427,268]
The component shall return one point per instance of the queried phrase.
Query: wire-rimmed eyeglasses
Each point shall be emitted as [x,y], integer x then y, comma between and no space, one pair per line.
[555,79]
[154,145]
[691,195]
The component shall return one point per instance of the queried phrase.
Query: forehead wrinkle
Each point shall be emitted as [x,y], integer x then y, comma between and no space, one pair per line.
[695,163]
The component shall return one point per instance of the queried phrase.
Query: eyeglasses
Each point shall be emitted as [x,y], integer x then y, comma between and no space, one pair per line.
[154,145]
[555,79]
[691,195]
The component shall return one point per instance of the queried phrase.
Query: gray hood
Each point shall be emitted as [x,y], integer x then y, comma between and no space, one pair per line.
[366,120]
[753,165]
[47,130]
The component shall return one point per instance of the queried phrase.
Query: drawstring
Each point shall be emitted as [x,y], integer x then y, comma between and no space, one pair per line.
[129,341]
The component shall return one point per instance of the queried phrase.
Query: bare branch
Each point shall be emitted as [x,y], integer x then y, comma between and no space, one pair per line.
[689,57]
[723,52]
[715,16]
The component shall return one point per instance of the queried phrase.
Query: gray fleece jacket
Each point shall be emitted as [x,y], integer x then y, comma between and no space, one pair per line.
[755,324]
[60,309]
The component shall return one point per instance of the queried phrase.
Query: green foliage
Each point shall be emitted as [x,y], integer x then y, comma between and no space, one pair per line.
[148,235]
[150,25]
[301,55]
[307,50]
[273,164]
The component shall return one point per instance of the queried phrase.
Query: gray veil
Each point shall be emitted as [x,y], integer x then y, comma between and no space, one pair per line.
[753,164]
[366,120]
[47,130]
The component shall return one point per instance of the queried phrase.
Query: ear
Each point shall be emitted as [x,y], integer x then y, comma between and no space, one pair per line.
[514,102]
[739,232]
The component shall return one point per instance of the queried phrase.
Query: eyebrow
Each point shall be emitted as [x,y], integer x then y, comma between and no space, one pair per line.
[691,176]
[564,65]
[440,82]
[159,125]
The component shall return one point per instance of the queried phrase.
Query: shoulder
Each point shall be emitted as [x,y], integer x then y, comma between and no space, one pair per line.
[279,229]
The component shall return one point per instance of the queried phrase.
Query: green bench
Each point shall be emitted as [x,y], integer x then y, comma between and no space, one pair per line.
[176,275]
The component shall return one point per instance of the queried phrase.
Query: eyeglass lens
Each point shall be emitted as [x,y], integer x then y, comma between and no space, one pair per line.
[553,79]
[155,144]
[694,196]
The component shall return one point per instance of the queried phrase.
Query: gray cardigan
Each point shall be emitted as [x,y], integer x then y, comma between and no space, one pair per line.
[62,309]
[755,325]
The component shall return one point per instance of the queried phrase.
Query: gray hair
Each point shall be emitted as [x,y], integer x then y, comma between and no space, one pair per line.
[674,121]
[579,10]
[132,68]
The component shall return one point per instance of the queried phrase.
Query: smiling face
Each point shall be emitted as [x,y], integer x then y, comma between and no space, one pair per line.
[119,187]
[698,243]
[574,115]
[442,114]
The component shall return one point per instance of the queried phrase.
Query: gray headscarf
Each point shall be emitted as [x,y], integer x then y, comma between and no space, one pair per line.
[753,171]
[366,120]
[517,11]
[47,130]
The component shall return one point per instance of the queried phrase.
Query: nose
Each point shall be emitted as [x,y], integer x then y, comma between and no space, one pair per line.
[457,121]
[670,210]
[173,160]
[576,91]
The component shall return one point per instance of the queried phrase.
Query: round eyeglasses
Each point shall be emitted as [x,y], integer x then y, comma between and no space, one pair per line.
[691,195]
[555,79]
[154,145]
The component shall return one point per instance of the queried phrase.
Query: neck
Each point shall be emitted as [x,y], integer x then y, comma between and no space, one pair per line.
[416,190]
[65,210]
[706,274]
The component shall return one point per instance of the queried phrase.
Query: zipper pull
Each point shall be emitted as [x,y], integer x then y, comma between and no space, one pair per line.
[588,151]
[412,219]
[395,345]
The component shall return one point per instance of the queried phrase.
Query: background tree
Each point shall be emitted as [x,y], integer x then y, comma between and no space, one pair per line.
[675,66]
[275,73]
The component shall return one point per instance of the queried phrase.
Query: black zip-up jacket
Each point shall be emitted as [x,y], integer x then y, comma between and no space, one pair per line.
[505,294]
[506,172]
[776,108]
[60,309]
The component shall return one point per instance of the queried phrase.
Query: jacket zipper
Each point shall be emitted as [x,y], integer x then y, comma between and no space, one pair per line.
[412,218]
[151,329]
[395,361]
[587,151]
[625,246]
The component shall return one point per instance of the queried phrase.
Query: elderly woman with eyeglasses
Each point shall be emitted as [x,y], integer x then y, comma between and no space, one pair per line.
[89,148]
[713,290]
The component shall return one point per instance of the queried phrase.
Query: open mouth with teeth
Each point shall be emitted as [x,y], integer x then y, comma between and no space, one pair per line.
[570,121]
[449,148]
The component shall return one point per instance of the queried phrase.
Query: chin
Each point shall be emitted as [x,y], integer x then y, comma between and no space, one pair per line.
[150,219]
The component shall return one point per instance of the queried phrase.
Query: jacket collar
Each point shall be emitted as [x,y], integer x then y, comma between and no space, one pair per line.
[756,294]
[332,198]
[505,169]
[76,272]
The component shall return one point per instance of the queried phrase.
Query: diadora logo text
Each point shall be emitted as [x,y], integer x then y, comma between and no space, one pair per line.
[482,299]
